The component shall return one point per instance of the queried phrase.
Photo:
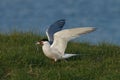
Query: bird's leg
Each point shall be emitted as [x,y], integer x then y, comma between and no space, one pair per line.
[55,60]
[52,62]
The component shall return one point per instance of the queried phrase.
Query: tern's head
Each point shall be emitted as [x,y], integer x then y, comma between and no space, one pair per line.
[42,42]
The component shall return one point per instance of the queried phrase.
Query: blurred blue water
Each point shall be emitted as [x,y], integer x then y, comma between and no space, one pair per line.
[37,15]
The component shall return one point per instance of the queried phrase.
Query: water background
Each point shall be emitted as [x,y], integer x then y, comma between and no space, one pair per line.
[37,15]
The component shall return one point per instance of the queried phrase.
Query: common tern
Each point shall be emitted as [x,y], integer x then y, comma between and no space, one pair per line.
[60,38]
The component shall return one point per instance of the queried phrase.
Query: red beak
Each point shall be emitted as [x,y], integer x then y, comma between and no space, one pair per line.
[40,42]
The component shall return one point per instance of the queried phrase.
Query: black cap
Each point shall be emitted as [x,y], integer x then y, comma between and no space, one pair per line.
[44,40]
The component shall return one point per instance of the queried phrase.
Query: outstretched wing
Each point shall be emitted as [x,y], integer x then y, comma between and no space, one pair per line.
[57,26]
[62,37]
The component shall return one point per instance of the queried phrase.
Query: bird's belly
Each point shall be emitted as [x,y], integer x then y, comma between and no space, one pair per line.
[52,55]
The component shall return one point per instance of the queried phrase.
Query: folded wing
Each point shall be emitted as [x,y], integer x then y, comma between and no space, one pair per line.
[62,37]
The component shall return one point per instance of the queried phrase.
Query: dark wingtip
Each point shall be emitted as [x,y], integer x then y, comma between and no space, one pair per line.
[94,28]
[60,23]
[61,20]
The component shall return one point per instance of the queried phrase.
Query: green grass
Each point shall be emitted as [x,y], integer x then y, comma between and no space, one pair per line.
[21,60]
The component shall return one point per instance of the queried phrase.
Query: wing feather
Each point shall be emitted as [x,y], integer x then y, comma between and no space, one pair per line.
[62,37]
[57,26]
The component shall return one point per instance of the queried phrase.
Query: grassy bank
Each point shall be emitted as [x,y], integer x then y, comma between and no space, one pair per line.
[20,59]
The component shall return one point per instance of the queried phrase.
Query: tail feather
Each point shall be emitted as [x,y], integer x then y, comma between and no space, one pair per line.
[68,55]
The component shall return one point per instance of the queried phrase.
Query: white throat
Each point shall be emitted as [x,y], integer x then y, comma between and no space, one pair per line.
[46,46]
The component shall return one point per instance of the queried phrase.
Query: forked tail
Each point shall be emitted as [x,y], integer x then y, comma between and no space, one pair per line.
[66,55]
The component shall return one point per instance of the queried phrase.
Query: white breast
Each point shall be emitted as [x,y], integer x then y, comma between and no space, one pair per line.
[49,52]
